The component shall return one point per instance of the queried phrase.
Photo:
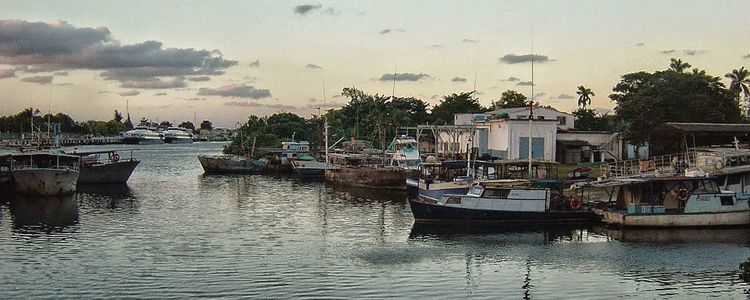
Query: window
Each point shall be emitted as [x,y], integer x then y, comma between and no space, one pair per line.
[726,200]
[540,117]
[562,120]
[453,200]
[497,193]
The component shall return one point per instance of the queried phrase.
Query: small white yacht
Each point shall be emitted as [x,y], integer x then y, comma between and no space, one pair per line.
[142,135]
[405,152]
[177,135]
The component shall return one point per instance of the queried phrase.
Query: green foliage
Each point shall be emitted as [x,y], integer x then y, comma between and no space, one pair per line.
[207,125]
[188,125]
[645,100]
[584,96]
[510,99]
[165,124]
[739,82]
[269,132]
[455,103]
[588,120]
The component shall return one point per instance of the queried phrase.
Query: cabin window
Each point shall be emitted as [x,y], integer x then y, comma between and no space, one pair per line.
[734,179]
[562,120]
[727,200]
[500,193]
[453,200]
[540,117]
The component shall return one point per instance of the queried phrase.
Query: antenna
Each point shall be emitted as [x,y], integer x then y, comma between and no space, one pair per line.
[393,93]
[475,85]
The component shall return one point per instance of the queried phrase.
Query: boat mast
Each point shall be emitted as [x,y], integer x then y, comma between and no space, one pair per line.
[531,104]
[325,121]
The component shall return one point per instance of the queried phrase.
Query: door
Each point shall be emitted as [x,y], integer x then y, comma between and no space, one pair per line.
[537,148]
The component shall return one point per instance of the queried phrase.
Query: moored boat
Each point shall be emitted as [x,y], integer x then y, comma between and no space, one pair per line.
[142,135]
[228,163]
[308,167]
[501,201]
[178,135]
[105,167]
[44,173]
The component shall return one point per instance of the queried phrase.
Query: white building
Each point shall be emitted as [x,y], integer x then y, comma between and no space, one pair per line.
[564,120]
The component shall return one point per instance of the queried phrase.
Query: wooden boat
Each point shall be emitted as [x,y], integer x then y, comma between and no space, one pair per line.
[44,173]
[501,201]
[227,163]
[308,167]
[105,167]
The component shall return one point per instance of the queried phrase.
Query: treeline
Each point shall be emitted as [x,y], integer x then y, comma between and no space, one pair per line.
[21,123]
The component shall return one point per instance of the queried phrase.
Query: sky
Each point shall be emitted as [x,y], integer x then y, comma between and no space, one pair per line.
[225,60]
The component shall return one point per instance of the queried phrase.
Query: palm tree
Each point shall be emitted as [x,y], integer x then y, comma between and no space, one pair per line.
[678,65]
[584,96]
[739,81]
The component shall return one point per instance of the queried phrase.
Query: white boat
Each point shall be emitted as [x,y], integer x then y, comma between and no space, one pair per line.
[44,173]
[178,135]
[404,153]
[142,135]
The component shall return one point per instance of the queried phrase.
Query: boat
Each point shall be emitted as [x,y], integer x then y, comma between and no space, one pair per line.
[229,163]
[404,153]
[453,177]
[178,135]
[671,201]
[307,167]
[502,201]
[142,135]
[105,166]
[579,173]
[290,151]
[44,173]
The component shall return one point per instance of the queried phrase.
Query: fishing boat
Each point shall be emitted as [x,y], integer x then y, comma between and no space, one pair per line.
[307,167]
[502,201]
[105,166]
[404,153]
[44,173]
[229,163]
[671,201]
[178,135]
[142,135]
[452,177]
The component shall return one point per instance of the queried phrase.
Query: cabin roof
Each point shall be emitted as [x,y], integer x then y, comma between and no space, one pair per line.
[729,128]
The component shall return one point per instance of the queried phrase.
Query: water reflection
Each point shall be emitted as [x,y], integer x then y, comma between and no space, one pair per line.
[516,234]
[43,213]
[107,196]
[676,235]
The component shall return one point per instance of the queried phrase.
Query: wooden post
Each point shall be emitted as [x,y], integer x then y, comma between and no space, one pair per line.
[252,151]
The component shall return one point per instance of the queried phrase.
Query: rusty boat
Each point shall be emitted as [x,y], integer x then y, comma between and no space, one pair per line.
[44,173]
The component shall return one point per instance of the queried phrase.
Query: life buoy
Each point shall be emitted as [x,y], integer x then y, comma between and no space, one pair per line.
[651,165]
[114,157]
[575,203]
[682,194]
[719,165]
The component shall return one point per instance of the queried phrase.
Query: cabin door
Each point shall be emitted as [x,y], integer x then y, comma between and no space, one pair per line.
[537,148]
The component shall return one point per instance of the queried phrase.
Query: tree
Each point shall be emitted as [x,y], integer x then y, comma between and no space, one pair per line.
[128,124]
[584,96]
[117,117]
[206,124]
[739,81]
[455,103]
[187,125]
[509,99]
[678,65]
[165,124]
[645,100]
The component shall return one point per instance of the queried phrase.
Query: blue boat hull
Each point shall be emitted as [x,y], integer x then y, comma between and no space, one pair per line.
[426,212]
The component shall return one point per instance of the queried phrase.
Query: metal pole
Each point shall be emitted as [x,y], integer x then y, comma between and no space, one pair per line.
[531,105]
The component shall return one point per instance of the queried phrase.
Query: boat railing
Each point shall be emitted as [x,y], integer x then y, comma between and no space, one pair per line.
[664,165]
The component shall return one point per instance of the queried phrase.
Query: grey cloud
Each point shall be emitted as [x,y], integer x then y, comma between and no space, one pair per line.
[331,11]
[195,99]
[539,95]
[511,78]
[155,83]
[280,106]
[236,91]
[199,78]
[389,30]
[436,46]
[160,94]
[243,104]
[525,83]
[564,96]
[38,79]
[517,59]
[313,66]
[640,44]
[306,8]
[692,52]
[60,46]
[746,56]
[404,77]
[458,79]
[62,73]
[670,51]
[7,73]
[254,64]
[327,105]
[129,93]
[470,41]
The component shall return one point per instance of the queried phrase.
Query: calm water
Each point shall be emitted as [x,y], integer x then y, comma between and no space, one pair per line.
[173,233]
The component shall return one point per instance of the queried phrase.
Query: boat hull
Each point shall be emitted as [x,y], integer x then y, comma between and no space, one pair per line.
[223,164]
[309,169]
[45,182]
[717,219]
[427,212]
[388,178]
[118,172]
[141,141]
[170,140]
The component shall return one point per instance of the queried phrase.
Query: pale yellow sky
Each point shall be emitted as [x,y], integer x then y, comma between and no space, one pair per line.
[352,43]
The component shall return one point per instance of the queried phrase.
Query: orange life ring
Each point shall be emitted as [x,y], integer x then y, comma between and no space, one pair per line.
[114,157]
[682,194]
[575,203]
[719,165]
[651,165]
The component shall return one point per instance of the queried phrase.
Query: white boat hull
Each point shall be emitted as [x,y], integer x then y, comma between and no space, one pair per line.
[45,182]
[718,219]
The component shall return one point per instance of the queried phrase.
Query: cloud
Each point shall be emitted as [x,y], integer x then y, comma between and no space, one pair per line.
[404,77]
[539,95]
[327,105]
[458,79]
[436,46]
[525,83]
[254,64]
[306,8]
[236,91]
[243,104]
[195,99]
[564,96]
[313,100]
[517,59]
[38,79]
[161,94]
[313,66]
[640,44]
[61,73]
[331,11]
[470,41]
[389,30]
[129,93]
[511,78]
[280,106]
[155,83]
[746,56]
[7,73]
[692,52]
[37,46]
[670,51]
[199,78]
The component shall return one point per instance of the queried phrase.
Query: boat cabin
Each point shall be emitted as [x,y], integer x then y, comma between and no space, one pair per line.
[502,195]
